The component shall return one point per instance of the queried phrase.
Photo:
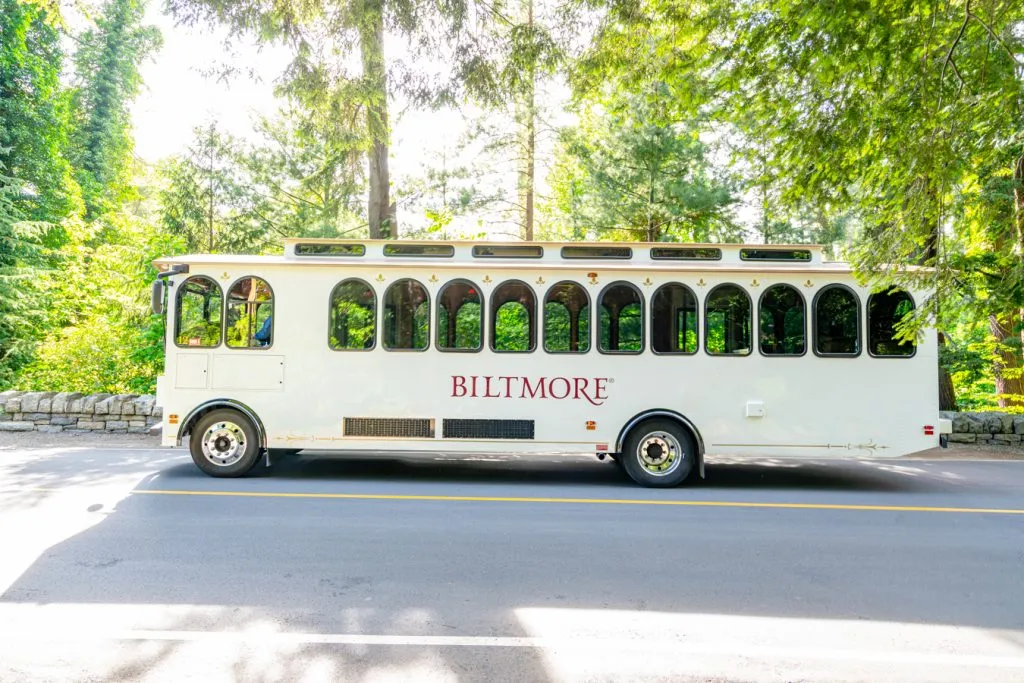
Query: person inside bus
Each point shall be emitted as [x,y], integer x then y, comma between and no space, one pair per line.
[264,333]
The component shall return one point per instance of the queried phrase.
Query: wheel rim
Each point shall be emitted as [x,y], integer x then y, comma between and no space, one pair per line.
[224,444]
[660,454]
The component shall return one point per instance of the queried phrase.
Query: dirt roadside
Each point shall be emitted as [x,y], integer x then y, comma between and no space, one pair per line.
[18,440]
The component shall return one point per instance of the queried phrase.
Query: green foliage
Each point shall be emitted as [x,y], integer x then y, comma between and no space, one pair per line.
[34,121]
[903,117]
[109,340]
[466,333]
[208,201]
[629,324]
[37,192]
[353,317]
[227,196]
[558,329]
[629,172]
[107,73]
[512,328]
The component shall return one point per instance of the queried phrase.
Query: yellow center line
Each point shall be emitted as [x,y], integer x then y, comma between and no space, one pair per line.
[583,501]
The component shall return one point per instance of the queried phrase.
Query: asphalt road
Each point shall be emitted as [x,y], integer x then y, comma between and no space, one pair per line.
[128,564]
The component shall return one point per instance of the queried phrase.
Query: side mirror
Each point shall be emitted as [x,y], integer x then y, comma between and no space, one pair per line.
[158,296]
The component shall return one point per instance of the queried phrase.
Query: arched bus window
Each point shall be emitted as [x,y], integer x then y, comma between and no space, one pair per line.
[353,320]
[198,307]
[460,317]
[885,311]
[567,319]
[250,314]
[406,324]
[727,321]
[621,324]
[674,320]
[513,318]
[782,322]
[836,322]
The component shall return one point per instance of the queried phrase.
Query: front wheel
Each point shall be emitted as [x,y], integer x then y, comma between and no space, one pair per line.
[659,454]
[224,444]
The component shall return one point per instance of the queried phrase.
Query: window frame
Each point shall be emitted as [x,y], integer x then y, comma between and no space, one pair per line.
[585,252]
[323,250]
[765,253]
[493,318]
[398,249]
[430,317]
[682,250]
[273,323]
[502,251]
[590,327]
[437,315]
[643,320]
[697,303]
[177,312]
[814,322]
[376,312]
[750,313]
[867,323]
[758,330]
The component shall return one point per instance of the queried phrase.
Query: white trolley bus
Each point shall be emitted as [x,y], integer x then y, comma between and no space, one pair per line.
[654,354]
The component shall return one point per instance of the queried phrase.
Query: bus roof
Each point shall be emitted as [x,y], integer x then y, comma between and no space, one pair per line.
[541,255]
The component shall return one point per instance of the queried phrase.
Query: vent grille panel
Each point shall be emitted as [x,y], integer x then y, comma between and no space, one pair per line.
[487,429]
[390,427]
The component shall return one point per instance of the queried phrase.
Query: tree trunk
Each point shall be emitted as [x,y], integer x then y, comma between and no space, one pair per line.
[380,214]
[947,395]
[528,126]
[1008,328]
[929,256]
[1007,367]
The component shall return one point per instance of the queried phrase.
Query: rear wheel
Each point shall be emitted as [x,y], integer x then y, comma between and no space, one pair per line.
[659,453]
[224,443]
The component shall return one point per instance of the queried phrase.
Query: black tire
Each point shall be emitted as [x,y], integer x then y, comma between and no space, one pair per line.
[234,447]
[658,453]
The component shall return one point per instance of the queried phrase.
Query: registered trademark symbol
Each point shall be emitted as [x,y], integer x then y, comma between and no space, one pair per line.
[611,380]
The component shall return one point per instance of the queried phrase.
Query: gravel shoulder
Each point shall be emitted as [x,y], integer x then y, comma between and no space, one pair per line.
[17,440]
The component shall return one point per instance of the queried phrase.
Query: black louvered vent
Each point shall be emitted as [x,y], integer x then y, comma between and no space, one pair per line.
[390,427]
[487,429]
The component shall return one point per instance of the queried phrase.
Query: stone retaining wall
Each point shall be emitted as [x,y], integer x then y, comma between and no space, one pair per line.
[50,411]
[999,429]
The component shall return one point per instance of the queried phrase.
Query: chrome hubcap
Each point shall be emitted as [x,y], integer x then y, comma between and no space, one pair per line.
[659,453]
[224,444]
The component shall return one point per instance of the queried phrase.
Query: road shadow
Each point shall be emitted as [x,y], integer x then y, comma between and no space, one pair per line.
[33,476]
[585,472]
[431,469]
[822,475]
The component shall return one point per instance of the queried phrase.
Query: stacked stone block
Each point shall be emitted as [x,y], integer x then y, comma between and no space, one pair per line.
[50,411]
[998,429]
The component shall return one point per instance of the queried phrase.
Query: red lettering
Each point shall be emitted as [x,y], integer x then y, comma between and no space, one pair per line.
[533,391]
[580,390]
[593,390]
[551,387]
